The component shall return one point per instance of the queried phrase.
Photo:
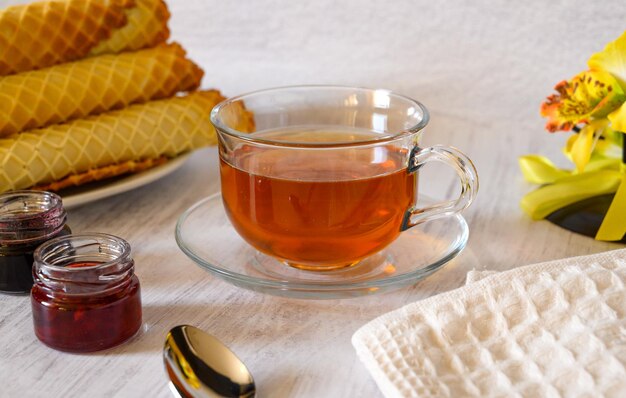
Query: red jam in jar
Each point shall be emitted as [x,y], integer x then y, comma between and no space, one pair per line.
[86,296]
[27,219]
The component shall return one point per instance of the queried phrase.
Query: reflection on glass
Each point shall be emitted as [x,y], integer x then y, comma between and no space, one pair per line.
[381,99]
[351,100]
[379,122]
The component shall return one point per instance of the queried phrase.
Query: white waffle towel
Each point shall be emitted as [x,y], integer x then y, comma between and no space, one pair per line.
[555,329]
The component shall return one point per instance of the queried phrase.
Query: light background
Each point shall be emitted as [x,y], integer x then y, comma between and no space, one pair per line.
[482,68]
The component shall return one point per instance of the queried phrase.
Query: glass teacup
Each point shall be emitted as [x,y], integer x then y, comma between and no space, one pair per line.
[329,175]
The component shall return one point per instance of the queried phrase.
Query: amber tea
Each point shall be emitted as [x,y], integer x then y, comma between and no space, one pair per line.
[318,209]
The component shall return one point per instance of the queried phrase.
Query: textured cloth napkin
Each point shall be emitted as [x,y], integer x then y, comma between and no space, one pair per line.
[545,330]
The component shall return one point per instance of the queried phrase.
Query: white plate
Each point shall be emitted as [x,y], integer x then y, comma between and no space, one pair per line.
[77,196]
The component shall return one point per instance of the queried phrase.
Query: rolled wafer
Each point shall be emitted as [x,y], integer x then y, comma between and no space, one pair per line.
[93,85]
[47,33]
[145,131]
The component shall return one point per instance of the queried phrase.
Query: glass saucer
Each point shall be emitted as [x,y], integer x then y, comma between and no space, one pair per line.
[205,234]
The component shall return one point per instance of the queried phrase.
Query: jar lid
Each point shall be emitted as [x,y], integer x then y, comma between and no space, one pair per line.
[28,216]
[83,263]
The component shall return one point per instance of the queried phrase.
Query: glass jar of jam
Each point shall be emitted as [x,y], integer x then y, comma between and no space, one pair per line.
[27,219]
[86,296]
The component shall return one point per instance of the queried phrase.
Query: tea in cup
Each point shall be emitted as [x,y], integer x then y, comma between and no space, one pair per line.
[329,177]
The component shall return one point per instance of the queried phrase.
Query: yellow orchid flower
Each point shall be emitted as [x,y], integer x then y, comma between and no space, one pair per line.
[588,95]
[597,99]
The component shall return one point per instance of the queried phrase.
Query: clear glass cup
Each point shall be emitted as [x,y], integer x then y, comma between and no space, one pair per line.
[329,176]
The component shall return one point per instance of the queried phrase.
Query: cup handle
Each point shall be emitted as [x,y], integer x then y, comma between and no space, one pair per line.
[467,175]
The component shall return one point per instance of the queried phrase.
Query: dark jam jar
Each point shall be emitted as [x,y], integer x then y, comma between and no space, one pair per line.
[86,295]
[27,219]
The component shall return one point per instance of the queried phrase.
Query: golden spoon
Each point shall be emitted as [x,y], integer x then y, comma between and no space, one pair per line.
[199,365]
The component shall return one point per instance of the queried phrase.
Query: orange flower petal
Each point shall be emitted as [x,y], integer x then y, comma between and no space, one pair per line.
[591,94]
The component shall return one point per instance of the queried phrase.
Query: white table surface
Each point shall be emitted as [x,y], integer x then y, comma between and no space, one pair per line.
[481,67]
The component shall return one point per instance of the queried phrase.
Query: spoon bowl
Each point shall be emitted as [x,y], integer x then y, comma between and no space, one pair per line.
[199,365]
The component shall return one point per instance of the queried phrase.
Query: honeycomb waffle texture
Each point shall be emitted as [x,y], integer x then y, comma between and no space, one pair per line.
[93,85]
[555,329]
[42,34]
[145,131]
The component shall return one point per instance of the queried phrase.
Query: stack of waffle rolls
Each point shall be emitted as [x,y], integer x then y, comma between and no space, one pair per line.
[93,85]
[47,33]
[102,115]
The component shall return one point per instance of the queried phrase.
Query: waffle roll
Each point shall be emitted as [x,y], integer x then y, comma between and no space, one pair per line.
[37,35]
[93,85]
[139,132]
